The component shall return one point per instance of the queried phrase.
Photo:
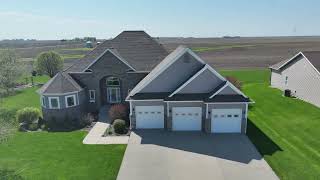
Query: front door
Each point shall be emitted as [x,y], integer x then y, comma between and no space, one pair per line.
[113,95]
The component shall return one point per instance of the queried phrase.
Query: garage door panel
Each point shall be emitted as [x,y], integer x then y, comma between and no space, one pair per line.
[149,117]
[226,120]
[186,118]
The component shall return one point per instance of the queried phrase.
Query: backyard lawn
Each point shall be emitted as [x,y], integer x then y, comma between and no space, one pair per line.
[284,130]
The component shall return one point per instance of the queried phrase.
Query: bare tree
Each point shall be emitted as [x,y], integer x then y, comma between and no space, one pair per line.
[49,63]
[10,69]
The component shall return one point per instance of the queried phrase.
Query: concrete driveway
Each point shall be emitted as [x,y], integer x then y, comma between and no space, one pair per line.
[161,155]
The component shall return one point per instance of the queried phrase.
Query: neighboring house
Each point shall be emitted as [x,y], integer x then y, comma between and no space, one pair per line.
[176,91]
[300,74]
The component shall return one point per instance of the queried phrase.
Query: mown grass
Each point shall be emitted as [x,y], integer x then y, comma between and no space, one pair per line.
[284,130]
[72,56]
[43,155]
[77,49]
[36,79]
[214,48]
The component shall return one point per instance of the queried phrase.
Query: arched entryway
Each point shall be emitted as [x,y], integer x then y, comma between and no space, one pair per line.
[113,90]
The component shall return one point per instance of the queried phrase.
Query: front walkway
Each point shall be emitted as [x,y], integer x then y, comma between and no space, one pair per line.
[95,135]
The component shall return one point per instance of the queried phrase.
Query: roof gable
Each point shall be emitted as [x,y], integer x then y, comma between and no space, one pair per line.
[114,53]
[202,82]
[165,65]
[313,57]
[137,48]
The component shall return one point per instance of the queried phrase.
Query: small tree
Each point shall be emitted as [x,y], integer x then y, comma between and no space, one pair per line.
[8,125]
[236,82]
[10,69]
[49,63]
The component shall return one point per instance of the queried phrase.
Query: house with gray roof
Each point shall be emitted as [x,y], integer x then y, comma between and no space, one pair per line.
[177,91]
[299,74]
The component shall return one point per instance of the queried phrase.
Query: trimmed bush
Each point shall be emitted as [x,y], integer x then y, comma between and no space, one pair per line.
[118,111]
[119,126]
[33,126]
[28,115]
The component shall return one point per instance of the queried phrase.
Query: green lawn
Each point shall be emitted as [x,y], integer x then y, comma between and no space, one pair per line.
[36,79]
[284,130]
[23,98]
[72,56]
[43,155]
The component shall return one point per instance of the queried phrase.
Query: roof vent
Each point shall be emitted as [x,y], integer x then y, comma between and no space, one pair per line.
[88,70]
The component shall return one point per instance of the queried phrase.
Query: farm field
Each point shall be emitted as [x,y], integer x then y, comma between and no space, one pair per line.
[222,53]
[282,129]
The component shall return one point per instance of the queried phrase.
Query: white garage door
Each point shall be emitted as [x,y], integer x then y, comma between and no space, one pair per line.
[186,118]
[226,120]
[149,117]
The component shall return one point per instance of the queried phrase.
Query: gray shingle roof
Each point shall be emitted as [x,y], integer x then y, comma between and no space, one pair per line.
[139,49]
[61,83]
[312,56]
[228,98]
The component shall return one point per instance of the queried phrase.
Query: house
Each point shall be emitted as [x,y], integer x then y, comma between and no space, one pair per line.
[176,91]
[300,74]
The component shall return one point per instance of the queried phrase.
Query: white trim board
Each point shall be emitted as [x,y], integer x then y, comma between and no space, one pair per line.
[145,100]
[162,66]
[60,94]
[118,57]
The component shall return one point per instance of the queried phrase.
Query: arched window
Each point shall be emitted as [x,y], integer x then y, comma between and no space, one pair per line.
[113,81]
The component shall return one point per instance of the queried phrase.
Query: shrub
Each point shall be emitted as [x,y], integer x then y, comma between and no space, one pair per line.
[33,127]
[28,115]
[119,126]
[118,111]
[236,82]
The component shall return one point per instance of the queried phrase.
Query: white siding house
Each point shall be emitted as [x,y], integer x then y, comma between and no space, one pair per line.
[299,74]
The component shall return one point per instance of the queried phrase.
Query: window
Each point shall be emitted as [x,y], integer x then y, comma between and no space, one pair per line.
[92,95]
[70,100]
[43,101]
[113,81]
[114,95]
[54,102]
[286,80]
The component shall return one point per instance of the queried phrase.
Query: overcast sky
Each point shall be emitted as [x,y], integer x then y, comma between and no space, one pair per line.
[40,19]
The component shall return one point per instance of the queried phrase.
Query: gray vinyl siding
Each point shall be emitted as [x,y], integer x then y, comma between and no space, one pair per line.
[276,79]
[227,90]
[179,72]
[74,112]
[303,80]
[227,106]
[204,83]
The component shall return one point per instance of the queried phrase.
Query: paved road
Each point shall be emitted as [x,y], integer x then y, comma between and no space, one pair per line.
[160,155]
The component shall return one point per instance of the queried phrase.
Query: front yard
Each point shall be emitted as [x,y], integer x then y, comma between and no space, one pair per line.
[42,155]
[284,130]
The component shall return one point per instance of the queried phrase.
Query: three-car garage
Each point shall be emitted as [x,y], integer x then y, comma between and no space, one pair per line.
[220,120]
